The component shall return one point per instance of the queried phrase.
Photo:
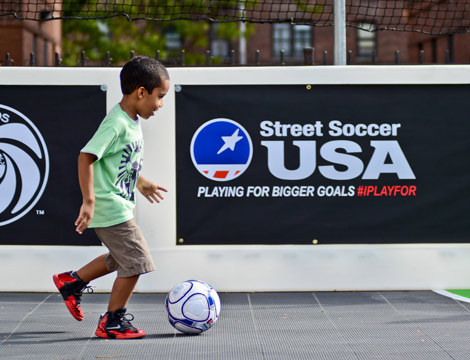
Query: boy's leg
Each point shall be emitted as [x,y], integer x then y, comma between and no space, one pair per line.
[130,257]
[114,324]
[122,292]
[94,269]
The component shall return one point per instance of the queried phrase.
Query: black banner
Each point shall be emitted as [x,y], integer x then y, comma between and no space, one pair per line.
[42,129]
[326,164]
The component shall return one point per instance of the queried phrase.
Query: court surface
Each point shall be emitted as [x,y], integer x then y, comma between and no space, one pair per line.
[307,325]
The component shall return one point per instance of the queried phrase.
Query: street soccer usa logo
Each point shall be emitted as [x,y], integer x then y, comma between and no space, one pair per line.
[24,165]
[221,149]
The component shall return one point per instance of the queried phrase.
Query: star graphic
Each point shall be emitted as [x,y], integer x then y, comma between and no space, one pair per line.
[230,141]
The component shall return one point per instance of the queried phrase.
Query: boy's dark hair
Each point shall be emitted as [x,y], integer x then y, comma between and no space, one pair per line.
[142,71]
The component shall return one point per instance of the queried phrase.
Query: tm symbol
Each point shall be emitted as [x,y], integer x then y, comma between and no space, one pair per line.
[40,212]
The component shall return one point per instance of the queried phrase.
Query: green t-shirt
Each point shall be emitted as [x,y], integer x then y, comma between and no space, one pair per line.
[119,146]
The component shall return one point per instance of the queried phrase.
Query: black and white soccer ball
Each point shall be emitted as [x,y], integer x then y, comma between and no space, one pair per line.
[193,306]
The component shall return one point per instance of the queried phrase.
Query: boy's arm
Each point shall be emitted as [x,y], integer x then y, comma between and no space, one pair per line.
[150,190]
[85,177]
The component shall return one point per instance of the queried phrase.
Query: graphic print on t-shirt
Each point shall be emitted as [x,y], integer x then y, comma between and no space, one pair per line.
[130,167]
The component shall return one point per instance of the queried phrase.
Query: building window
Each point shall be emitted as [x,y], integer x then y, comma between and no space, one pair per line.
[293,39]
[434,50]
[35,44]
[281,39]
[172,39]
[451,48]
[302,39]
[365,42]
[46,53]
[219,46]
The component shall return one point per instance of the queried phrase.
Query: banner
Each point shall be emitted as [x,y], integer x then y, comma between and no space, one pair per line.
[322,164]
[42,129]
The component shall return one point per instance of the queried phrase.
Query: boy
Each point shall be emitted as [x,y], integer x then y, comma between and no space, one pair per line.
[109,170]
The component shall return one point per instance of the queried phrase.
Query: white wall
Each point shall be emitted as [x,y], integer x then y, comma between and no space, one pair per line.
[241,268]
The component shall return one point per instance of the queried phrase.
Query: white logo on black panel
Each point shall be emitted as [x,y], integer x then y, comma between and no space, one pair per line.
[24,165]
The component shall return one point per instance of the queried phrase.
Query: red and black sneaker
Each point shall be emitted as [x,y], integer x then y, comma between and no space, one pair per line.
[71,287]
[115,325]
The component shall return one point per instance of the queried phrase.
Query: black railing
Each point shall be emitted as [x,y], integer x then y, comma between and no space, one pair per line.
[230,60]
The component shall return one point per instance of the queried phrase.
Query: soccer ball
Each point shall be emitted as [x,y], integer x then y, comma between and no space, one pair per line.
[192,306]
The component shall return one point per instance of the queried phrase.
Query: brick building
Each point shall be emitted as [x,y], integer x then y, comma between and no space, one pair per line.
[366,42]
[43,38]
[365,47]
[20,38]
[449,17]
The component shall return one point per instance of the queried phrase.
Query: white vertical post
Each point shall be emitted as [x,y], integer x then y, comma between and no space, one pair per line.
[242,39]
[340,31]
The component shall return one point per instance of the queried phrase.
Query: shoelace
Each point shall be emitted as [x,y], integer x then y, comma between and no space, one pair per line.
[86,289]
[129,317]
[79,292]
[125,320]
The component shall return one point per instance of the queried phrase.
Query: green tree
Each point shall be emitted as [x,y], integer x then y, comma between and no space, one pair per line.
[120,36]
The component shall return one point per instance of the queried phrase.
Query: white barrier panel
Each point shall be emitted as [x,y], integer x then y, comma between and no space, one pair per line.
[241,267]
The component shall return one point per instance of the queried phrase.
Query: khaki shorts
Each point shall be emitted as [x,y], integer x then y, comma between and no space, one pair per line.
[129,253]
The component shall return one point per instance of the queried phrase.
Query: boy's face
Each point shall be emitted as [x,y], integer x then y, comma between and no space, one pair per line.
[150,103]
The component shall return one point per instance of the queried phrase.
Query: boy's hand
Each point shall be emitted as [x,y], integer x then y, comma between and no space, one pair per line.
[84,218]
[150,190]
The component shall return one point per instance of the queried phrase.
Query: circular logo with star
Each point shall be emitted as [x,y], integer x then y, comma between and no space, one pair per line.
[221,149]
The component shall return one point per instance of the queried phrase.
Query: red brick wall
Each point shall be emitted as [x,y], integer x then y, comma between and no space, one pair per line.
[17,37]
